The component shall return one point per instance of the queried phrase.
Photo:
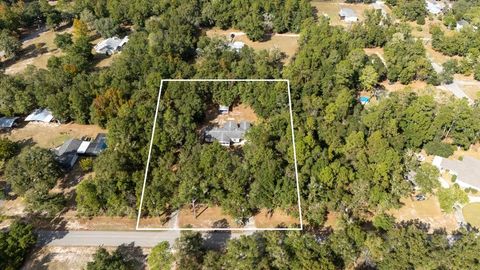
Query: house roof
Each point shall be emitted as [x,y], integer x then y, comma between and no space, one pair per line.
[7,122]
[462,23]
[41,115]
[111,43]
[347,12]
[467,169]
[236,45]
[98,145]
[433,7]
[67,153]
[230,131]
[223,108]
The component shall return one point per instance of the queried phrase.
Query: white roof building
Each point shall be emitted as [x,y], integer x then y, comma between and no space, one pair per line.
[467,170]
[110,45]
[380,6]
[236,45]
[348,15]
[40,115]
[434,7]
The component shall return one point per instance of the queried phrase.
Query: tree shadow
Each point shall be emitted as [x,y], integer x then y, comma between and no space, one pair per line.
[132,253]
[217,240]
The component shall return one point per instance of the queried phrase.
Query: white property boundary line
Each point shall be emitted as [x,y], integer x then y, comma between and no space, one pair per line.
[221,229]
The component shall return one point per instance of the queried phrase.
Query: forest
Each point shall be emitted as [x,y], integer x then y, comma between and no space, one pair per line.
[352,159]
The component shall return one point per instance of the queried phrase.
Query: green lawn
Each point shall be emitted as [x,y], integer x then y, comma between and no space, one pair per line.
[471,213]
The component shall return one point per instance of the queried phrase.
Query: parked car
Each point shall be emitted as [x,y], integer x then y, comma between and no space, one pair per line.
[420,197]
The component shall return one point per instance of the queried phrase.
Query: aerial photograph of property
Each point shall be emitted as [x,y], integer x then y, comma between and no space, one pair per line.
[239,134]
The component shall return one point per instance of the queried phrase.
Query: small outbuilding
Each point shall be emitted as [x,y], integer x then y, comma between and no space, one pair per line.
[348,15]
[111,45]
[222,109]
[460,25]
[7,122]
[40,115]
[236,45]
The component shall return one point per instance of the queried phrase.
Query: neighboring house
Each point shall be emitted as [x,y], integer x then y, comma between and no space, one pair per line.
[7,122]
[348,15]
[40,115]
[72,149]
[461,24]
[236,45]
[380,6]
[222,109]
[434,7]
[111,45]
[230,133]
[467,170]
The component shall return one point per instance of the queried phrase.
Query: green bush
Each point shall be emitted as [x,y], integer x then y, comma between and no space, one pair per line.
[454,178]
[86,164]
[439,148]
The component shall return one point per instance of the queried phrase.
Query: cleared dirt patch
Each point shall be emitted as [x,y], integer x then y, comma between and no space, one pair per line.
[264,219]
[427,211]
[286,43]
[51,135]
[206,217]
[238,113]
[37,48]
[471,213]
[472,91]
[331,9]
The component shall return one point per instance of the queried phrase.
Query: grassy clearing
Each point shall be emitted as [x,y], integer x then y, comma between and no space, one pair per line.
[471,213]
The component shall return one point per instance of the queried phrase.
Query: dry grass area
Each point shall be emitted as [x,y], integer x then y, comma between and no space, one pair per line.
[51,135]
[14,207]
[264,219]
[413,86]
[37,48]
[238,113]
[331,9]
[471,213]
[286,43]
[472,91]
[333,220]
[64,258]
[427,211]
[473,151]
[205,217]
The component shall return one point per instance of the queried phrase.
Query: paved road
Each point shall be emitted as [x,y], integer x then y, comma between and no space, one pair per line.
[117,238]
[105,238]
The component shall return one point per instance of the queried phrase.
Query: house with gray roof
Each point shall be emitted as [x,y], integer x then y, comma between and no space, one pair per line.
[230,133]
[467,170]
[7,122]
[110,45]
[348,15]
[72,149]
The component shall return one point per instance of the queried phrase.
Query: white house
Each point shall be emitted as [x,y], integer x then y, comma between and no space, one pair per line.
[466,170]
[236,45]
[434,7]
[40,115]
[348,15]
[110,45]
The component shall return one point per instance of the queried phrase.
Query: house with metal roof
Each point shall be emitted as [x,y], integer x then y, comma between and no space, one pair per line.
[348,15]
[110,45]
[434,7]
[467,170]
[231,133]
[7,122]
[40,115]
[236,45]
[72,149]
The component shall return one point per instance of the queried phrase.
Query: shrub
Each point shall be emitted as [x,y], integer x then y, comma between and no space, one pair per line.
[86,164]
[439,148]
[454,178]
